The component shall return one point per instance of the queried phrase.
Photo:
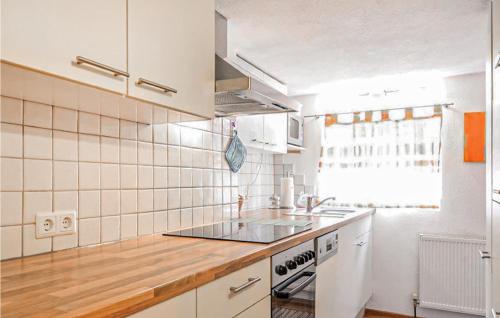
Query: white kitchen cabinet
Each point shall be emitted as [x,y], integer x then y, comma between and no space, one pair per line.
[344,281]
[496,97]
[172,43]
[220,299]
[275,132]
[264,132]
[262,309]
[182,306]
[251,130]
[48,35]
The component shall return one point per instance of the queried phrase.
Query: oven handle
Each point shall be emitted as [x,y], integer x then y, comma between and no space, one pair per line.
[285,295]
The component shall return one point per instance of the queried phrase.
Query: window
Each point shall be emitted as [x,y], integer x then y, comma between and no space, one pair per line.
[383,159]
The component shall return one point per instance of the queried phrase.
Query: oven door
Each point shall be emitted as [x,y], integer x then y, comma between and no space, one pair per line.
[295,297]
[295,130]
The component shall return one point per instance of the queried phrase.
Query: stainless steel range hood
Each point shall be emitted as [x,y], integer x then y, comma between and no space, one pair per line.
[237,92]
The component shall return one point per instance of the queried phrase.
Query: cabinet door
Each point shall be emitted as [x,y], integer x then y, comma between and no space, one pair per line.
[182,306]
[275,132]
[262,309]
[495,255]
[251,130]
[343,283]
[172,43]
[496,97]
[49,34]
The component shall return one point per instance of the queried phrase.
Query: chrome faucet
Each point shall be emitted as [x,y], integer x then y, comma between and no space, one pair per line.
[310,207]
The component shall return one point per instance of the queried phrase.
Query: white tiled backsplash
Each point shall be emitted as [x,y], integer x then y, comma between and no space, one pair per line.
[128,168]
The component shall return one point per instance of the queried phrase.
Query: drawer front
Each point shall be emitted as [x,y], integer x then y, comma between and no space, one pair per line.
[262,309]
[227,296]
[360,227]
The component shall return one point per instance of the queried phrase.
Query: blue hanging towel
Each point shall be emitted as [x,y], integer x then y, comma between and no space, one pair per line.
[236,153]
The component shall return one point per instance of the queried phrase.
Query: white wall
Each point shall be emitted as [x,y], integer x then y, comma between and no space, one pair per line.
[395,231]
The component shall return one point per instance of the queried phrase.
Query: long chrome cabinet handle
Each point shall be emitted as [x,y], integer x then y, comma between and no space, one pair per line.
[250,282]
[115,71]
[484,254]
[164,88]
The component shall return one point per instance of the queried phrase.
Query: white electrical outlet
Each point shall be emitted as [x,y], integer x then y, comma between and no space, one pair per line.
[66,222]
[57,223]
[45,224]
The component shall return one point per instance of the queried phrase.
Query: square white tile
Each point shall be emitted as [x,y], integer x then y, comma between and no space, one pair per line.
[110,127]
[128,130]
[89,123]
[160,155]
[110,150]
[32,245]
[145,223]
[186,198]
[128,226]
[110,176]
[145,200]
[173,177]
[173,220]
[110,228]
[174,156]
[65,201]
[11,140]
[37,175]
[37,143]
[89,231]
[160,199]
[89,204]
[11,241]
[89,176]
[145,177]
[110,202]
[174,199]
[65,119]
[128,176]
[37,115]
[128,151]
[160,177]
[12,208]
[89,148]
[11,110]
[65,175]
[65,145]
[128,201]
[186,177]
[145,153]
[160,222]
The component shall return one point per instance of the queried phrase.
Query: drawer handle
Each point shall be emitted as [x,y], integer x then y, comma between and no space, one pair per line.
[484,254]
[361,243]
[164,88]
[115,71]
[250,282]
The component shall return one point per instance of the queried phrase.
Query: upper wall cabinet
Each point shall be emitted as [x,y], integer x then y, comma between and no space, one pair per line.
[48,35]
[264,132]
[171,46]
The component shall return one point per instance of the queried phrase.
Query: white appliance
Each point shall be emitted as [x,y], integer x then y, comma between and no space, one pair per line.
[295,130]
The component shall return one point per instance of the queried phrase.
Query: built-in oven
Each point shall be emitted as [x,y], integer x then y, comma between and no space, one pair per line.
[295,130]
[294,282]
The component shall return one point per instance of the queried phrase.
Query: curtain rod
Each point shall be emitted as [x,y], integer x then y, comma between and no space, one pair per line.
[445,105]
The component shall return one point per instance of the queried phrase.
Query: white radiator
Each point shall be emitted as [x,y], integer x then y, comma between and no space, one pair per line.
[451,274]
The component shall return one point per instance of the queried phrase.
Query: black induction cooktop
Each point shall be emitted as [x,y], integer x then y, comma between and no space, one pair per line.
[241,232]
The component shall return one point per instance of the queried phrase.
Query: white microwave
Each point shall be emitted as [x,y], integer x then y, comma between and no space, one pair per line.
[295,130]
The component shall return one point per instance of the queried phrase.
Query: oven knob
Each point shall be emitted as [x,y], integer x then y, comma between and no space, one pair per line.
[306,257]
[311,253]
[299,259]
[291,265]
[280,270]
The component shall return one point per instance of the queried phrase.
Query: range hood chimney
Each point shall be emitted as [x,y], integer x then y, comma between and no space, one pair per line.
[241,87]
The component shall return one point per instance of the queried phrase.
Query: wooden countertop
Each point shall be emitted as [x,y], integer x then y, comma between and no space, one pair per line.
[114,280]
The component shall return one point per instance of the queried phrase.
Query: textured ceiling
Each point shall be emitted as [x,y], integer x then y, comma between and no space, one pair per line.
[308,43]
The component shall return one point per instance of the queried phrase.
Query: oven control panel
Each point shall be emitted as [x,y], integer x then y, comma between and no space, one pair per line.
[326,246]
[291,261]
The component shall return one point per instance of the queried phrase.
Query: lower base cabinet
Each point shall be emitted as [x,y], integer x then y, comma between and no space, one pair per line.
[182,306]
[262,309]
[343,284]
